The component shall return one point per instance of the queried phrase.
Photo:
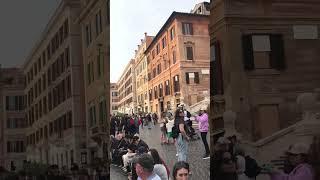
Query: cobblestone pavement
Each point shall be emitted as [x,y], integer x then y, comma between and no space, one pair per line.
[199,167]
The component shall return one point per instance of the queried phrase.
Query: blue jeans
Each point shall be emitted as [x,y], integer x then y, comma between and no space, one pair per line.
[182,148]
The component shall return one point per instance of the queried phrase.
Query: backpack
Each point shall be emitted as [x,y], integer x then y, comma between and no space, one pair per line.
[132,122]
[252,168]
[175,131]
[188,114]
[188,130]
[136,122]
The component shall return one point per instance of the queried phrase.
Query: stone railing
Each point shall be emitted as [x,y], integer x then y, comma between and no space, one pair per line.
[195,107]
[274,146]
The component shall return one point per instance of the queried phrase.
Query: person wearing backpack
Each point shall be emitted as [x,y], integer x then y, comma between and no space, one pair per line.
[252,169]
[179,126]
[243,167]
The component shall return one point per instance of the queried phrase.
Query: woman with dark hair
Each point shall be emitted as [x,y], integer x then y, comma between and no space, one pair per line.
[181,142]
[181,171]
[160,168]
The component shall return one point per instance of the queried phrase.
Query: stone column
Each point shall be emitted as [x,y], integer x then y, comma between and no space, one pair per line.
[229,118]
[309,126]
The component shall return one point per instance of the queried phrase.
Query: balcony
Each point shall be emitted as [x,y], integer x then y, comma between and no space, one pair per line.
[57,139]
[98,133]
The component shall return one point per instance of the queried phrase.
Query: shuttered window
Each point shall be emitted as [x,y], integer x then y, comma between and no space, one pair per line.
[196,78]
[187,78]
[189,50]
[247,50]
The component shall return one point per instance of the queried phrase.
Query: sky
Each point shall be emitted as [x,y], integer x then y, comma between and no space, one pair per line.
[22,22]
[130,19]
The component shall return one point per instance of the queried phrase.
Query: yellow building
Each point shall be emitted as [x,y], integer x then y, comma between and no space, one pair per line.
[126,89]
[141,74]
[95,22]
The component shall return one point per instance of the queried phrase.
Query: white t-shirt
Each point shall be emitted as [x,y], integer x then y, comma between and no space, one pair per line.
[161,171]
[185,116]
[169,125]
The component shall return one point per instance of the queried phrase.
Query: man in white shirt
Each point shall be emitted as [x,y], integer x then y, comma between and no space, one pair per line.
[144,168]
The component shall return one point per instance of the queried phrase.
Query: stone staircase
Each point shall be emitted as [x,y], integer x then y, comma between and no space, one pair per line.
[270,150]
[195,107]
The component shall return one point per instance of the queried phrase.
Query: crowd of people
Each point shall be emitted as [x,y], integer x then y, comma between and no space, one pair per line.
[137,159]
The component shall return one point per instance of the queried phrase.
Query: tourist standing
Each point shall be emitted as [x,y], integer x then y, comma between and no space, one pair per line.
[169,126]
[182,146]
[203,121]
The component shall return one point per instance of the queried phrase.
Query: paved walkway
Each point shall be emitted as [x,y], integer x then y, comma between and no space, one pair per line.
[200,168]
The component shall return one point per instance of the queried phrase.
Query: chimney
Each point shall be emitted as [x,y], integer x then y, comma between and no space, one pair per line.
[145,34]
[141,40]
[135,51]
[138,46]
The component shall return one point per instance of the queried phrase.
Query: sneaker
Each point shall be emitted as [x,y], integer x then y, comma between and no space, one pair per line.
[177,155]
[206,156]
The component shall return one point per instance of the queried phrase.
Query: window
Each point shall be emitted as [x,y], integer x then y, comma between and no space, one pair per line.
[100,65]
[50,128]
[67,57]
[216,87]
[44,105]
[158,48]
[39,64]
[92,116]
[13,123]
[159,68]
[167,88]
[44,60]
[172,33]
[15,147]
[263,52]
[189,51]
[90,73]
[69,119]
[98,23]
[88,34]
[196,78]
[102,111]
[154,72]
[150,94]
[66,28]
[174,57]
[164,42]
[176,85]
[14,103]
[68,81]
[44,80]
[187,29]
[49,51]
[155,92]
[160,90]
[187,78]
